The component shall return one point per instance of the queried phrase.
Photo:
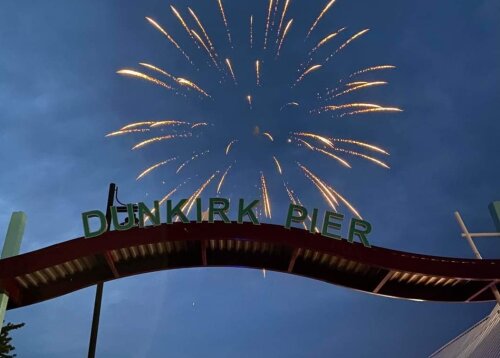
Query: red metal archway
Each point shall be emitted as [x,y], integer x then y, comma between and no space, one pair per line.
[72,265]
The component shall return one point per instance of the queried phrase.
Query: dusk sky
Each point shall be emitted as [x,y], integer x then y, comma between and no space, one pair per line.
[60,95]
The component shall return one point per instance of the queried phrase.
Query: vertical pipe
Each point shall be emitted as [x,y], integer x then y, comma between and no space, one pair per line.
[100,285]
[11,247]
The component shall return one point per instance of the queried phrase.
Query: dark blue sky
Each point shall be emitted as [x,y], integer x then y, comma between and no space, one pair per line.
[59,96]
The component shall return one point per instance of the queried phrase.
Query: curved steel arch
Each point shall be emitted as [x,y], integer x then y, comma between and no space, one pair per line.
[72,265]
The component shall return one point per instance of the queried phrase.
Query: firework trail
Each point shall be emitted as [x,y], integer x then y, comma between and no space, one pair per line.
[136,124]
[306,72]
[145,77]
[287,28]
[351,39]
[249,100]
[170,38]
[200,124]
[344,106]
[194,157]
[229,146]
[265,196]
[373,68]
[221,8]
[321,186]
[127,131]
[167,123]
[278,165]
[275,11]
[267,22]
[361,144]
[317,137]
[251,31]
[257,71]
[222,179]
[285,8]
[331,155]
[355,87]
[322,13]
[181,20]
[364,156]
[228,62]
[204,45]
[187,83]
[320,44]
[153,167]
[373,110]
[346,203]
[289,104]
[189,204]
[204,32]
[157,69]
[269,136]
[159,139]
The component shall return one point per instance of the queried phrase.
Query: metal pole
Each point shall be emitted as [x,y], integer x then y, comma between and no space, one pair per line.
[100,285]
[11,247]
[467,235]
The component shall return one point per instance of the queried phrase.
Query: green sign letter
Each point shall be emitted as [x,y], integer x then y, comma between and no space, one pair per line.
[360,233]
[296,219]
[103,225]
[176,211]
[221,211]
[328,224]
[153,215]
[247,211]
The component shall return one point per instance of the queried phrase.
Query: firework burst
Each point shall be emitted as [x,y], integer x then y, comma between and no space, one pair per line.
[271,27]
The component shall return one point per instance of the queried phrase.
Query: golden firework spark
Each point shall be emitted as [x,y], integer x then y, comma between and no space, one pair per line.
[346,203]
[127,131]
[181,20]
[228,63]
[249,100]
[331,155]
[278,166]
[136,124]
[153,167]
[269,136]
[257,71]
[345,106]
[308,71]
[351,39]
[373,68]
[200,40]
[167,123]
[194,157]
[251,31]
[285,8]
[364,156]
[221,8]
[265,196]
[360,86]
[317,137]
[373,110]
[287,28]
[322,187]
[289,104]
[170,38]
[322,13]
[361,144]
[222,179]
[160,139]
[202,28]
[157,69]
[143,76]
[229,146]
[189,204]
[187,83]
[267,22]
[199,124]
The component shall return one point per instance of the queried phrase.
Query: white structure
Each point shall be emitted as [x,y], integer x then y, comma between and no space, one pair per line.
[481,340]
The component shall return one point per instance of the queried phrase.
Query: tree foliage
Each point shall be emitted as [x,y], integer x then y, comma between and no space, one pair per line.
[6,347]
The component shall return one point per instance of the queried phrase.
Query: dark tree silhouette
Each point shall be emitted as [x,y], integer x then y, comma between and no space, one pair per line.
[6,347]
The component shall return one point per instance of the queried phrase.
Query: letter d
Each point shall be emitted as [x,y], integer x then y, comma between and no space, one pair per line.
[103,225]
